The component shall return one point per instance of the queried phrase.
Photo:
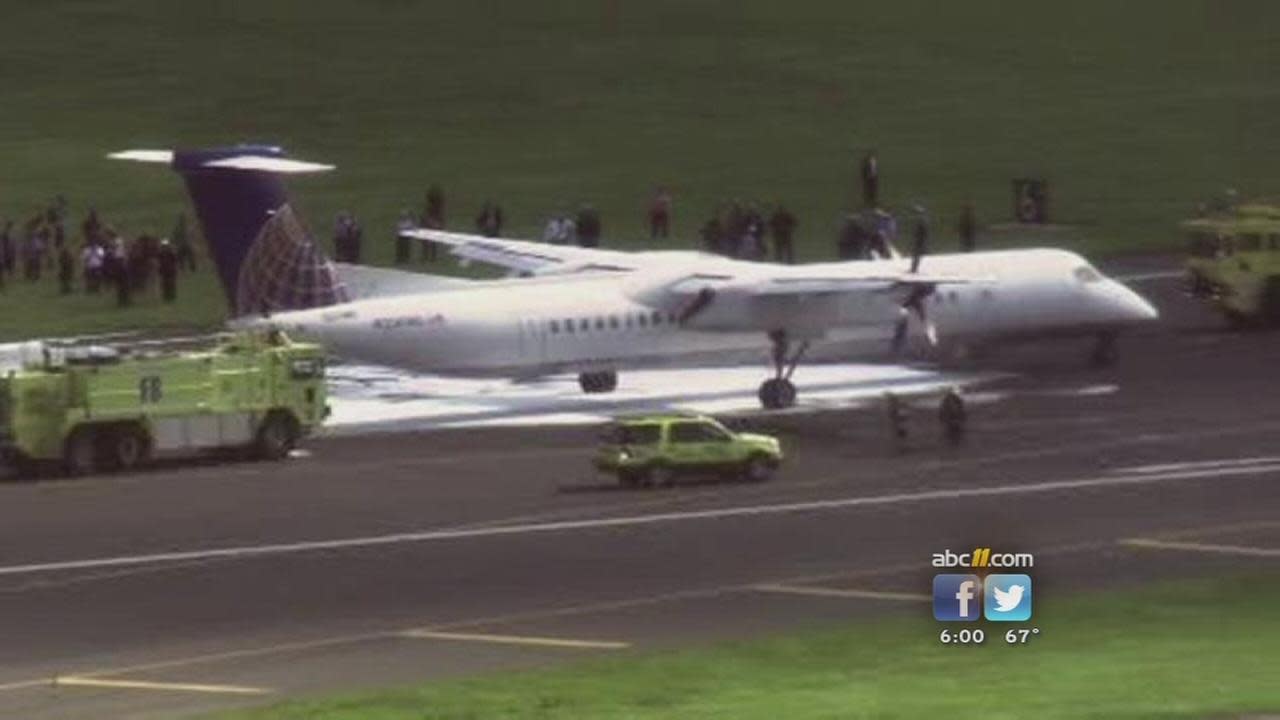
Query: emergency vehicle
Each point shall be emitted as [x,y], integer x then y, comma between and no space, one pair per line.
[1234,261]
[649,450]
[90,407]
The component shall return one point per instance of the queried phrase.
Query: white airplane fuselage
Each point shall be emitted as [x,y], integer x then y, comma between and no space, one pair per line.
[549,324]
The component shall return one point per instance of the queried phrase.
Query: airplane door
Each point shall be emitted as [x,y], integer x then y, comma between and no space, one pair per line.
[533,340]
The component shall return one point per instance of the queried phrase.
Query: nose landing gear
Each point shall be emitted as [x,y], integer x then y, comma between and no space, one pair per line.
[1104,351]
[778,392]
[603,381]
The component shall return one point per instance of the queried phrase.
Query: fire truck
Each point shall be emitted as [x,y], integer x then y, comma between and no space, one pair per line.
[87,407]
[1234,261]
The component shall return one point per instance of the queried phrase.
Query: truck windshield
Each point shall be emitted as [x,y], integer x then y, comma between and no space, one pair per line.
[1203,245]
[636,435]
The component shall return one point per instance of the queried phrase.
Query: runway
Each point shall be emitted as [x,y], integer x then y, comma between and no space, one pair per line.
[372,399]
[392,557]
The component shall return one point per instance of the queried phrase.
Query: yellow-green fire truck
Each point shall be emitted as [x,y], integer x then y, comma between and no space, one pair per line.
[1234,261]
[93,407]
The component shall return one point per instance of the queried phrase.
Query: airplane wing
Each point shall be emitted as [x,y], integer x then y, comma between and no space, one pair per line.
[721,294]
[806,300]
[524,256]
[364,281]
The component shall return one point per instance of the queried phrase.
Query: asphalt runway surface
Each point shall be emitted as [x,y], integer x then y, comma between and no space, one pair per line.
[401,557]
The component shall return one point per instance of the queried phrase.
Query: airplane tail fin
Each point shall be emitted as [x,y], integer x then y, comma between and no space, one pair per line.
[266,258]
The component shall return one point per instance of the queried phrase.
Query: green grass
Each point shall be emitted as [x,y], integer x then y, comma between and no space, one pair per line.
[1185,650]
[1134,111]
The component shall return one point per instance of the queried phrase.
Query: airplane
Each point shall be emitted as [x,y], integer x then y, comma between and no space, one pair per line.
[595,312]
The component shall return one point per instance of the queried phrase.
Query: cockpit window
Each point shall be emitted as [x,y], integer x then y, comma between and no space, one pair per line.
[1086,274]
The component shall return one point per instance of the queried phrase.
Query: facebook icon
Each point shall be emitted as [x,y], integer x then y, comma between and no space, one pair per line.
[957,597]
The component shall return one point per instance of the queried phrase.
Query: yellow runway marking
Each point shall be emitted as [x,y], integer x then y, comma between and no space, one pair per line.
[97,682]
[842,593]
[1240,550]
[518,640]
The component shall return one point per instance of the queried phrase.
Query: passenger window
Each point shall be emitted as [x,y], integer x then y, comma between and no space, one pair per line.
[613,322]
[671,318]
[584,324]
[626,319]
[555,326]
[642,320]
[657,318]
[568,326]
[637,435]
[696,432]
[599,323]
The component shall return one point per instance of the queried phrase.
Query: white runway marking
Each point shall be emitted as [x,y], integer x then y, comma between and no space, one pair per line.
[532,640]
[1214,549]
[117,684]
[1229,462]
[367,397]
[950,494]
[1148,276]
[816,591]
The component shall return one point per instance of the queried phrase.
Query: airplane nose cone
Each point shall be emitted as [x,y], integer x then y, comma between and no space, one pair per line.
[1130,306]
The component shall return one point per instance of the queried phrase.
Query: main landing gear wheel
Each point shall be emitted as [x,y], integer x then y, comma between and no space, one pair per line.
[1104,350]
[604,381]
[952,415]
[777,392]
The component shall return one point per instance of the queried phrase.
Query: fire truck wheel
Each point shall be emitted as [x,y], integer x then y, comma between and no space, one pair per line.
[128,447]
[80,452]
[276,436]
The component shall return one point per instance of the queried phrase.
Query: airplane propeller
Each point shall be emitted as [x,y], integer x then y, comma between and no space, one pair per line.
[696,305]
[914,304]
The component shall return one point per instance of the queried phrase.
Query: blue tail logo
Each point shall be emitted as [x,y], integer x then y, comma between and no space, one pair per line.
[267,260]
[284,270]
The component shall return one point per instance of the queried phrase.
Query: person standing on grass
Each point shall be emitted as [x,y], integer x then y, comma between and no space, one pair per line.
[489,221]
[660,214]
[782,225]
[356,241]
[433,218]
[341,237]
[182,246]
[32,251]
[66,270]
[553,231]
[404,225]
[589,227]
[167,263]
[852,243]
[118,257]
[920,233]
[712,235]
[871,180]
[91,267]
[59,234]
[92,228]
[7,254]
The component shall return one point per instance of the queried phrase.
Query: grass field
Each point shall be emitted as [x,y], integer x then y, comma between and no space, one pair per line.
[1133,111]
[1187,650]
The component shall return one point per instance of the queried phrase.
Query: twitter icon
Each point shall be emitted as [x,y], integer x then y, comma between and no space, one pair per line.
[1008,598]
